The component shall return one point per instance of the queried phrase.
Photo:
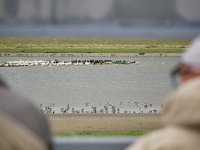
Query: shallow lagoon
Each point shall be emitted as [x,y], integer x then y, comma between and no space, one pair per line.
[120,85]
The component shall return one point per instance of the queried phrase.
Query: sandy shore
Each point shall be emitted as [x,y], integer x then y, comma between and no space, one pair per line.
[87,54]
[103,122]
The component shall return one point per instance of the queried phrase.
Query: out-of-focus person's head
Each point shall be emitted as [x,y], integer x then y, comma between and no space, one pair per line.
[189,67]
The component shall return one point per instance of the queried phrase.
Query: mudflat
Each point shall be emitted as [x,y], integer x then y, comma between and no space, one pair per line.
[63,123]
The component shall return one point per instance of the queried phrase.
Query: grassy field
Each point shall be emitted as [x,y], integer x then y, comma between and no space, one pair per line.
[18,45]
[103,124]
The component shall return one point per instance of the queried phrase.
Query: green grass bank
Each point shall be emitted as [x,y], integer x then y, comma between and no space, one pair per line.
[140,46]
[102,133]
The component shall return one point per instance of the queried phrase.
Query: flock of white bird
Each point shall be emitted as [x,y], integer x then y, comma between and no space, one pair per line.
[61,63]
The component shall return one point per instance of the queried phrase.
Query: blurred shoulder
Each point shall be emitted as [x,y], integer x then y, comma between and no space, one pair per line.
[25,113]
[169,138]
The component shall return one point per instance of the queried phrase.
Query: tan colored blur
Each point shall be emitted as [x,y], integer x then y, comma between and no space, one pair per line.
[181,113]
[22,126]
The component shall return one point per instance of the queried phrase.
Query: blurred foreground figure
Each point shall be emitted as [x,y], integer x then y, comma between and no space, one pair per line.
[181,113]
[189,67]
[22,127]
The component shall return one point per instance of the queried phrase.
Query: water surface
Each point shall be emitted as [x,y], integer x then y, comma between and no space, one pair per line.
[98,84]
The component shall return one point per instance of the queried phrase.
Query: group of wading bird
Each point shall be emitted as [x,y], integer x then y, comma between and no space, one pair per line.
[57,62]
[107,108]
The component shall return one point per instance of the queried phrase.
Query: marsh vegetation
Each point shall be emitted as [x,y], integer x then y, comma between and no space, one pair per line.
[140,46]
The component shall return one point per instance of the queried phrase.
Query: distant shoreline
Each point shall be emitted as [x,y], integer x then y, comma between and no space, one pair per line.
[89,54]
[91,47]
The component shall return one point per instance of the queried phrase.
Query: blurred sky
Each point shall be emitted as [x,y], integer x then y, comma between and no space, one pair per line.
[137,18]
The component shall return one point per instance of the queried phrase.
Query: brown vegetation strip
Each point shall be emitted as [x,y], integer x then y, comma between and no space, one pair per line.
[102,122]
